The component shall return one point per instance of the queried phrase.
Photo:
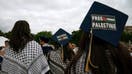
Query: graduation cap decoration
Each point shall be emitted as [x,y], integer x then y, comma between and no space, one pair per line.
[62,37]
[107,23]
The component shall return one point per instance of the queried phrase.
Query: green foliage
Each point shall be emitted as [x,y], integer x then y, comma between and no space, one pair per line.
[76,35]
[42,33]
[7,35]
[126,37]
[1,33]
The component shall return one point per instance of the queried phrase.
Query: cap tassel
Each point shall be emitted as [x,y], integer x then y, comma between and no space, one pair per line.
[89,62]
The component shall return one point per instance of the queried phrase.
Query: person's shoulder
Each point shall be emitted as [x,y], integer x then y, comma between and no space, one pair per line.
[34,49]
[33,42]
[33,46]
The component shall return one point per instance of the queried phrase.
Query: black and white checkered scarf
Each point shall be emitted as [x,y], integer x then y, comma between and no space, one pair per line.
[29,61]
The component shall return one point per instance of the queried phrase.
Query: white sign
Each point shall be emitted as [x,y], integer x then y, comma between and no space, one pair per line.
[62,37]
[103,22]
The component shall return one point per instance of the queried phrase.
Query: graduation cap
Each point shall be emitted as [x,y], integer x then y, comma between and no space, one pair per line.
[62,37]
[107,23]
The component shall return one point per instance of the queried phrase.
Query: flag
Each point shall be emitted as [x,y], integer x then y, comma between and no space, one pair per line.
[62,37]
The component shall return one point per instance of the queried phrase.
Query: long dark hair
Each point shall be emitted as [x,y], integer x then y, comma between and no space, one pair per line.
[122,59]
[79,53]
[68,53]
[20,35]
[119,56]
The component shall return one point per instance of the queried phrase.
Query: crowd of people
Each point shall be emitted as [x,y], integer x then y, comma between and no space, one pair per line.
[23,55]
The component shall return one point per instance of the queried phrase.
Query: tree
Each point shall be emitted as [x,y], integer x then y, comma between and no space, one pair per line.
[1,33]
[76,35]
[47,34]
[126,36]
[8,34]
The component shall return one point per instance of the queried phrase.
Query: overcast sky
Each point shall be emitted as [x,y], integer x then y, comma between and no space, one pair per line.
[50,15]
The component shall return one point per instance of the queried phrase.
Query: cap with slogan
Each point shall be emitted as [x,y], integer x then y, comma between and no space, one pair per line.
[62,37]
[107,23]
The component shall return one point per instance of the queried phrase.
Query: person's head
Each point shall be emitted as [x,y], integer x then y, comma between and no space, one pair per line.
[71,45]
[6,43]
[68,51]
[43,40]
[20,35]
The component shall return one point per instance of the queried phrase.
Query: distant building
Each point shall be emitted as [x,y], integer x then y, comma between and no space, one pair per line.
[128,29]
